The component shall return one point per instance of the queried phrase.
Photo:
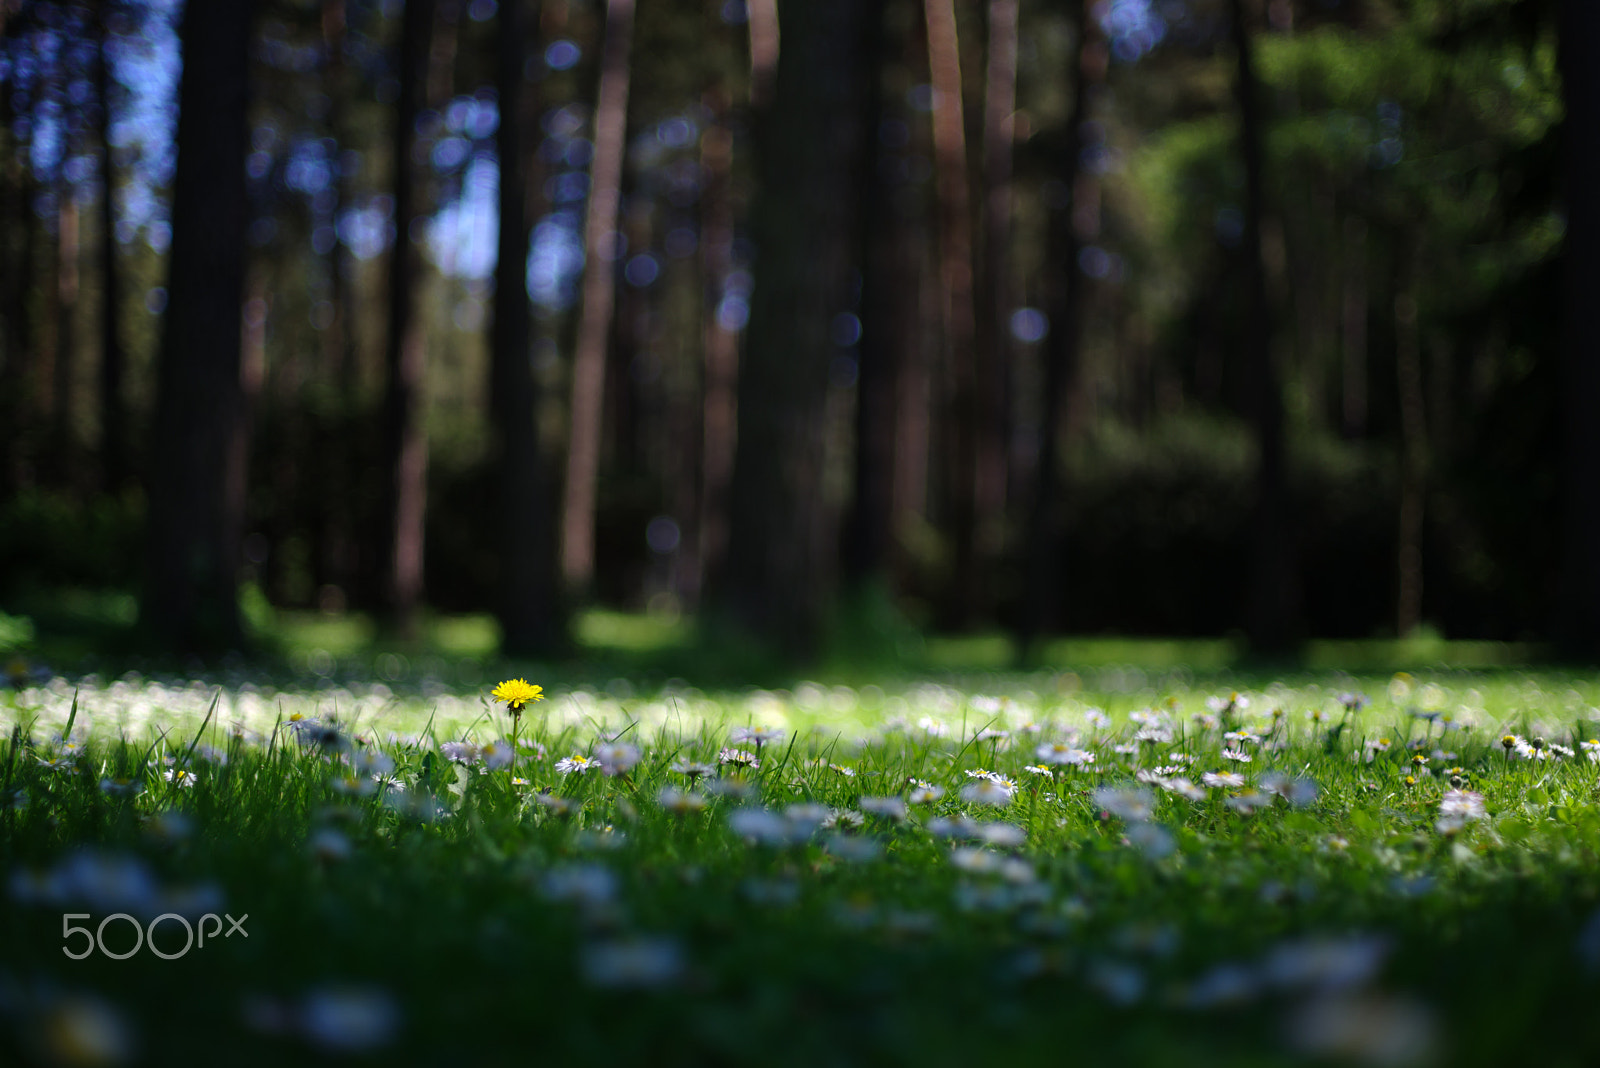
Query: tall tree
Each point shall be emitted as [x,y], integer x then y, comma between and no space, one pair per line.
[599,296]
[1413,456]
[1066,288]
[529,618]
[1353,326]
[721,343]
[68,247]
[16,181]
[335,520]
[869,527]
[1270,618]
[404,436]
[1580,88]
[113,421]
[993,294]
[782,538]
[197,456]
[956,276]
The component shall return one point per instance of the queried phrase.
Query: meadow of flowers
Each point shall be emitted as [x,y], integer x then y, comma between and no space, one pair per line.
[1007,869]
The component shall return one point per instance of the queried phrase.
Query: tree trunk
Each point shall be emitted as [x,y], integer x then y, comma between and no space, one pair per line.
[719,405]
[599,295]
[12,307]
[993,348]
[762,16]
[1413,461]
[196,484]
[338,476]
[17,415]
[1066,287]
[781,551]
[63,434]
[405,441]
[869,531]
[1580,80]
[1270,618]
[113,416]
[955,272]
[1354,317]
[530,621]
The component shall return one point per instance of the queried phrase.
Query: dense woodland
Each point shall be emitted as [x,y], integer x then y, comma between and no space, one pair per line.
[1136,316]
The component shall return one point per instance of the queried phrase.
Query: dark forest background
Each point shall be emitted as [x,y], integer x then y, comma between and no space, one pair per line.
[1133,316]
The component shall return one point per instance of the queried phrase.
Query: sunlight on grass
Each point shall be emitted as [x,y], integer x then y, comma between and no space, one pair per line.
[1176,856]
[634,632]
[1412,653]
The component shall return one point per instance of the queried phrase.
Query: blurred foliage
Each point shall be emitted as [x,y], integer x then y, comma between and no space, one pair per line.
[1413,171]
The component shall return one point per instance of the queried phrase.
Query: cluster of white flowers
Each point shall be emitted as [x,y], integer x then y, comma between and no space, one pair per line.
[1457,808]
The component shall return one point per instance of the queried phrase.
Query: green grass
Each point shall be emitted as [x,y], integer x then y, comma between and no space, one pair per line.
[459,917]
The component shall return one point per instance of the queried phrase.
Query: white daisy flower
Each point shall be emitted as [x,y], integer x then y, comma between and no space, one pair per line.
[1061,753]
[616,758]
[1130,805]
[681,802]
[893,808]
[495,755]
[460,752]
[692,768]
[756,736]
[989,791]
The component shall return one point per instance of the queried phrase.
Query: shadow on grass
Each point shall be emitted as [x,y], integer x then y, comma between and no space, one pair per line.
[76,631]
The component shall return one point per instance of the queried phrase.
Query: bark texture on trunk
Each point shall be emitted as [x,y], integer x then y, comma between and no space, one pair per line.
[1270,614]
[960,332]
[196,469]
[782,535]
[719,388]
[1066,289]
[993,348]
[405,455]
[868,536]
[1413,463]
[530,619]
[114,466]
[599,297]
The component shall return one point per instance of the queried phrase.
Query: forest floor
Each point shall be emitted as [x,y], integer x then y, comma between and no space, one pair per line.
[1125,859]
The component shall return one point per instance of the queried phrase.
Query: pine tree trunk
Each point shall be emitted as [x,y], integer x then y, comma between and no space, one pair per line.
[196,467]
[114,467]
[599,296]
[405,441]
[63,434]
[719,397]
[1066,288]
[1354,327]
[1413,461]
[868,533]
[993,348]
[782,535]
[530,621]
[955,271]
[1270,618]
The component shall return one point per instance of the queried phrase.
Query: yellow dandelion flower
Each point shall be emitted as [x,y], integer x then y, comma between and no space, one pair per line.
[516,693]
